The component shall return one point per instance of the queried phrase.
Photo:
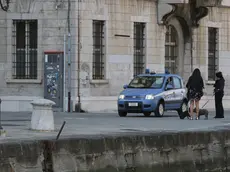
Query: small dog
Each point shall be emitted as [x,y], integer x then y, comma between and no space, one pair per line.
[202,112]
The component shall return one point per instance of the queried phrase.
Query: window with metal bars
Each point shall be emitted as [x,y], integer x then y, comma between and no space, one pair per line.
[212,53]
[171,50]
[25,49]
[139,48]
[98,49]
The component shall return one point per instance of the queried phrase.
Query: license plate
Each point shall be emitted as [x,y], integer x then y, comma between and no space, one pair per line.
[133,104]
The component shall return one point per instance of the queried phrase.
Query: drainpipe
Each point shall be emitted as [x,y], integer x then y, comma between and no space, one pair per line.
[78,59]
[64,83]
[69,60]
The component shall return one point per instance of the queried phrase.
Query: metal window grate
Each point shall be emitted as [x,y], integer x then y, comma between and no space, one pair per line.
[171,49]
[139,48]
[212,53]
[24,49]
[98,49]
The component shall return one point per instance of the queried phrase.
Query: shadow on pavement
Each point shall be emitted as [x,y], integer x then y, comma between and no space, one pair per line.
[152,116]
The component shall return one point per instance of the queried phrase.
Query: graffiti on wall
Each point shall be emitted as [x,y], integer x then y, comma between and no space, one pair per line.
[52,84]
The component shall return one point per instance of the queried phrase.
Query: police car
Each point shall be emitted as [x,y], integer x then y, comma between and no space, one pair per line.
[153,92]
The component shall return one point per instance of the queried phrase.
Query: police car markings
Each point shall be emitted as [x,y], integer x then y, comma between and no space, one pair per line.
[166,95]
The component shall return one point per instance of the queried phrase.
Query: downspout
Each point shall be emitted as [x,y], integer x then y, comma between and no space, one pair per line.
[64,77]
[79,59]
[69,60]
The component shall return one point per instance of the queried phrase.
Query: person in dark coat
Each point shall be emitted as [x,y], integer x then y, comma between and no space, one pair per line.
[195,87]
[219,94]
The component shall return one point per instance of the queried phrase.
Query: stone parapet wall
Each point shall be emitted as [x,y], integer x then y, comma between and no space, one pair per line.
[184,151]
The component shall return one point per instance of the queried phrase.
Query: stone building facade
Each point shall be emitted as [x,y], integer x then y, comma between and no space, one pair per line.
[117,38]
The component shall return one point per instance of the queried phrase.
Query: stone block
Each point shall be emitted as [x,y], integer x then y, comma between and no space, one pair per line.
[42,115]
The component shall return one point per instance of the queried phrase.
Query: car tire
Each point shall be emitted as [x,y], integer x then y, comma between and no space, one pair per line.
[147,114]
[182,112]
[159,112]
[122,114]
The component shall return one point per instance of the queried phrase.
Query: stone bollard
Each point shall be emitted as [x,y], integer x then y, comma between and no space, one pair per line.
[42,115]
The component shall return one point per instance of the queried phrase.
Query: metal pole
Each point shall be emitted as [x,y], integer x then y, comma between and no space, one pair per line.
[1,114]
[69,74]
[63,124]
[79,60]
[64,85]
[69,60]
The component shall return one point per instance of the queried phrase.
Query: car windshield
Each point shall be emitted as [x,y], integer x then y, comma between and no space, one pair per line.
[147,82]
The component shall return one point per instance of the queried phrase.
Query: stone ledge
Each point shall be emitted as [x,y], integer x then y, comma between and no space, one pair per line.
[23,81]
[103,81]
[20,98]
[168,151]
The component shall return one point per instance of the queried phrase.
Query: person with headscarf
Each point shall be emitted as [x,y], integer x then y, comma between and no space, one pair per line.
[219,94]
[195,86]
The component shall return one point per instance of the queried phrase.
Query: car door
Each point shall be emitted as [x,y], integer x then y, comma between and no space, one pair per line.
[179,92]
[169,95]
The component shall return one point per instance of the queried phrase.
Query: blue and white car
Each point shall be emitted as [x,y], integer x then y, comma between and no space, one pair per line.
[152,92]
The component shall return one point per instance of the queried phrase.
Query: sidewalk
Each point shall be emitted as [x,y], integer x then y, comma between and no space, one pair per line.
[17,125]
[92,104]
[109,104]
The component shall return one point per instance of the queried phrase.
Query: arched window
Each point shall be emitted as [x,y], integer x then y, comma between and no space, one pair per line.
[171,50]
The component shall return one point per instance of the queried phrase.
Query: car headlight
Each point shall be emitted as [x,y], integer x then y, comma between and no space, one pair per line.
[121,96]
[149,97]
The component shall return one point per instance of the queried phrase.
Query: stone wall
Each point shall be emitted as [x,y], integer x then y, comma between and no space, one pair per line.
[119,17]
[52,25]
[218,18]
[184,151]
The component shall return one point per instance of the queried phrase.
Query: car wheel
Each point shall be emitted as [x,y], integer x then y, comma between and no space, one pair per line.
[122,114]
[159,112]
[147,114]
[183,111]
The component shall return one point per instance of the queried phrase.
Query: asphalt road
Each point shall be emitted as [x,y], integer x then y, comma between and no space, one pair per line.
[17,125]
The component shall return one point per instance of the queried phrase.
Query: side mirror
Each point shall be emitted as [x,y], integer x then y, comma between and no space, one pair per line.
[169,87]
[125,86]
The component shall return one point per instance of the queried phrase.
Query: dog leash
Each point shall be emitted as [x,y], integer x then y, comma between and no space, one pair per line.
[207,101]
